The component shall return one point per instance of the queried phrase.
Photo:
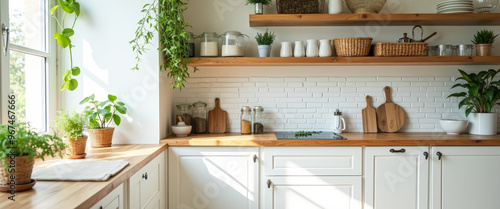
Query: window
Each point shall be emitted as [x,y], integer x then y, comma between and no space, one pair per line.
[28,65]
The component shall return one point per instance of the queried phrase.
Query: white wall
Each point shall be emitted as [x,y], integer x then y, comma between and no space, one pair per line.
[420,90]
[105,57]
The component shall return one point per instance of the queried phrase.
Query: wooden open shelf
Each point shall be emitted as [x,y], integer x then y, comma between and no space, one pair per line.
[331,61]
[380,19]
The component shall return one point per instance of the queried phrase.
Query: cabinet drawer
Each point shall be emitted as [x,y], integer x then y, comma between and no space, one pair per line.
[114,200]
[312,160]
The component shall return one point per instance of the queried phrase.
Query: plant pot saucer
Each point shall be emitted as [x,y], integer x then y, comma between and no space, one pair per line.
[19,187]
[76,156]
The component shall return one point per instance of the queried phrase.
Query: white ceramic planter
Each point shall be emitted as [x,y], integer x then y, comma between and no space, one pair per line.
[483,123]
[264,50]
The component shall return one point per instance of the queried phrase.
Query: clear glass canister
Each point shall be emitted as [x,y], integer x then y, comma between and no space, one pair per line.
[233,44]
[209,46]
[184,110]
[246,120]
[191,43]
[200,121]
[258,120]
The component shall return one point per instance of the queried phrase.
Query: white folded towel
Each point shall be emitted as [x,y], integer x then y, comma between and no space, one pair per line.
[77,170]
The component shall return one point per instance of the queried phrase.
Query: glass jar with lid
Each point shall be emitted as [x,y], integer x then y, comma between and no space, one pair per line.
[209,45]
[258,120]
[233,44]
[199,120]
[183,110]
[191,43]
[246,120]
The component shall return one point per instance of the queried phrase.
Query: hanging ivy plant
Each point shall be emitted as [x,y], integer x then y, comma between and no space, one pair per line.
[166,18]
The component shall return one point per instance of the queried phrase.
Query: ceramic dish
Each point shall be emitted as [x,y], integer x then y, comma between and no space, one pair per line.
[453,127]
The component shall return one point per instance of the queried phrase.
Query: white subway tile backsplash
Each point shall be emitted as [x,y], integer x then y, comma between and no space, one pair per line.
[308,103]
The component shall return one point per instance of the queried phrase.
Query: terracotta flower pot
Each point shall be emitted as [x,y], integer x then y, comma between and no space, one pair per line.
[483,49]
[75,147]
[22,171]
[101,137]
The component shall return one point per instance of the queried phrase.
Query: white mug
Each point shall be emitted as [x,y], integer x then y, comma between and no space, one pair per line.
[286,49]
[338,124]
[335,6]
[299,49]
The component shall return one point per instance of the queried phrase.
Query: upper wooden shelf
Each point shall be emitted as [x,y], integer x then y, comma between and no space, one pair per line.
[341,61]
[381,19]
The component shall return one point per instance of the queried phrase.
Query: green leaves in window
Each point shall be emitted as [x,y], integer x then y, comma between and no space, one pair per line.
[68,32]
[75,71]
[62,40]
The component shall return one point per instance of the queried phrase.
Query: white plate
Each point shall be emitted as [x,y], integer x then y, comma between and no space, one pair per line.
[455,12]
[457,8]
[446,4]
[443,5]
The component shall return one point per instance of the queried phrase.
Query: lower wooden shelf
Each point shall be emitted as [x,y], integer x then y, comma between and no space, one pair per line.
[340,61]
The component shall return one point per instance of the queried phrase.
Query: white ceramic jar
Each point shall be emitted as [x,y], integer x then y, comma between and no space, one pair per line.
[286,49]
[335,6]
[312,48]
[299,50]
[325,48]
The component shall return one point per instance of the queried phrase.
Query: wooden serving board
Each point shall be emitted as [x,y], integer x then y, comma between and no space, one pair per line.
[217,119]
[369,117]
[390,116]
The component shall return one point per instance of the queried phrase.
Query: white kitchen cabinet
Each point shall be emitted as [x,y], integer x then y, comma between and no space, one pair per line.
[213,177]
[147,187]
[321,192]
[114,200]
[465,178]
[396,177]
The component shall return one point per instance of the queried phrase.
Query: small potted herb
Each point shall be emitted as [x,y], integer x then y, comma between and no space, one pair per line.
[259,5]
[484,40]
[100,115]
[71,125]
[265,40]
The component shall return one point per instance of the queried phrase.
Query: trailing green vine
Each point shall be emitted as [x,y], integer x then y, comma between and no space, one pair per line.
[165,17]
[63,39]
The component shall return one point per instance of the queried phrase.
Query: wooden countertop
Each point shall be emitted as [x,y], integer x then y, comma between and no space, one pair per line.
[60,194]
[353,139]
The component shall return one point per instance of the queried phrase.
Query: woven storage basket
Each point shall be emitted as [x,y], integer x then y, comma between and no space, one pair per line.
[365,6]
[22,173]
[352,47]
[101,137]
[400,49]
[75,147]
[300,6]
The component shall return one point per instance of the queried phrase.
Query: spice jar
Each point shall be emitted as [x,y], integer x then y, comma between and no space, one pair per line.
[233,44]
[246,120]
[184,110]
[191,41]
[209,46]
[199,121]
[258,120]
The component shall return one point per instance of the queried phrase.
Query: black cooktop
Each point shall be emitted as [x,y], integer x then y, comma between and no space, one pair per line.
[289,135]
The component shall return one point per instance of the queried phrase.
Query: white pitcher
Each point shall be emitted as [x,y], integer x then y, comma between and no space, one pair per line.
[299,49]
[286,49]
[335,6]
[325,49]
[312,48]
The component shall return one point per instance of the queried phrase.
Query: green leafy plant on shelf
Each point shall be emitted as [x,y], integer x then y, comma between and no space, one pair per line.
[263,2]
[64,39]
[19,139]
[484,37]
[166,18]
[71,124]
[306,133]
[266,38]
[482,93]
[101,114]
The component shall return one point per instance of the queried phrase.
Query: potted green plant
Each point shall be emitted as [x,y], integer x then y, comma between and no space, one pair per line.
[64,39]
[71,125]
[19,146]
[100,115]
[484,40]
[481,96]
[259,5]
[265,40]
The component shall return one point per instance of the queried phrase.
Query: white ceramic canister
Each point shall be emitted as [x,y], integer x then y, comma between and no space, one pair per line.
[335,6]
[312,48]
[299,50]
[325,48]
[286,49]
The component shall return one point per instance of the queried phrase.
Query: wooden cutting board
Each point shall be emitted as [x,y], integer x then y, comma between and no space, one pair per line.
[217,119]
[390,116]
[369,117]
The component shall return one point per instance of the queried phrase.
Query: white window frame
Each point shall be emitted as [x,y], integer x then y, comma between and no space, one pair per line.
[51,82]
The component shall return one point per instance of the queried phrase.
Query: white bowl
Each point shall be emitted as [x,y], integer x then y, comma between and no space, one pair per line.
[454,127]
[181,131]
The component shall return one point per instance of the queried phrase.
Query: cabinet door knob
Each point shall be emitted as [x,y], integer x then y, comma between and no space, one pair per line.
[254,158]
[426,154]
[100,207]
[439,154]
[397,151]
[269,183]
[145,176]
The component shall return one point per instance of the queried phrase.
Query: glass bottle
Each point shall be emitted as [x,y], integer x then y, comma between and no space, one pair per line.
[246,120]
[184,110]
[200,121]
[209,45]
[258,120]
[191,44]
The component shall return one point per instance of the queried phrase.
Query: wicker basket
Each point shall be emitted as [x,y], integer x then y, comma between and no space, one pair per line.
[400,49]
[101,137]
[300,6]
[365,6]
[352,47]
[22,173]
[75,147]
